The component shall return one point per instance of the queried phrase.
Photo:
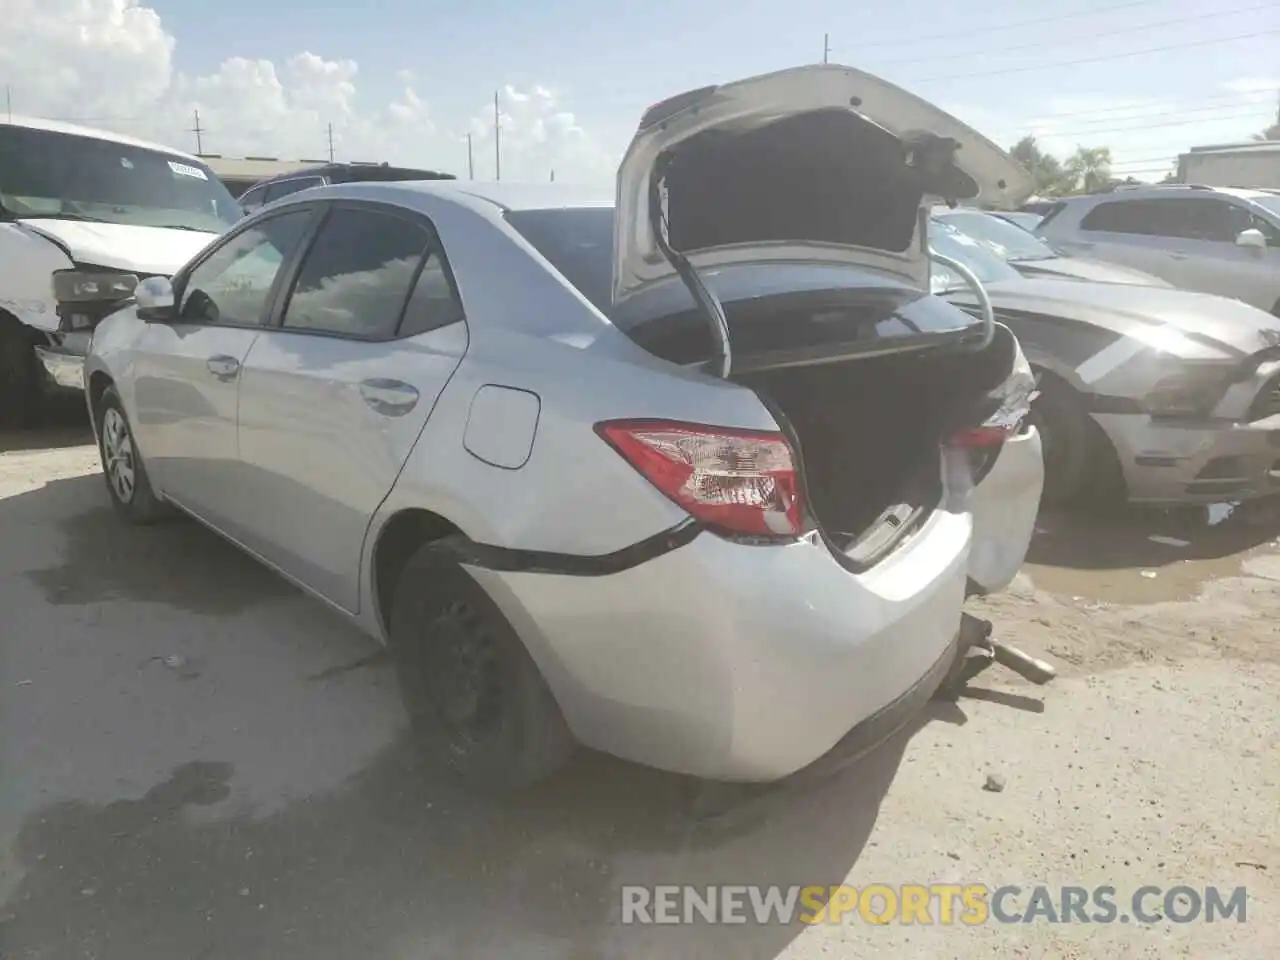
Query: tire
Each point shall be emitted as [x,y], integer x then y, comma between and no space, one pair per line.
[122,466]
[477,703]
[1059,415]
[19,376]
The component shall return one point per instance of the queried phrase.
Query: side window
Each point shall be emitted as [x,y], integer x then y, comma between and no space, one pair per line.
[1196,218]
[233,285]
[1121,216]
[252,199]
[285,187]
[434,303]
[356,277]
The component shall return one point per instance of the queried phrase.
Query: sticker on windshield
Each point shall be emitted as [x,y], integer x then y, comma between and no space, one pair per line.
[126,163]
[183,170]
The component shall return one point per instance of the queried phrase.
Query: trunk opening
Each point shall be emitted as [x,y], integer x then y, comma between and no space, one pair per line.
[868,383]
[869,432]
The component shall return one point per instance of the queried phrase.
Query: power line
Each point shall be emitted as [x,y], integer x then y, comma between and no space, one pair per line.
[1149,126]
[1101,58]
[1176,112]
[1041,44]
[1014,25]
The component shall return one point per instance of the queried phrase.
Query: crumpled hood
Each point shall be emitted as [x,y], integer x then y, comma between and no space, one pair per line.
[154,250]
[1084,268]
[1208,324]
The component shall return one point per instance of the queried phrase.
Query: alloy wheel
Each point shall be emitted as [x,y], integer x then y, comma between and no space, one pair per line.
[117,448]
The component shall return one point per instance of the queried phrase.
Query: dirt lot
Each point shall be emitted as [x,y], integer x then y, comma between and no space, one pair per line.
[196,761]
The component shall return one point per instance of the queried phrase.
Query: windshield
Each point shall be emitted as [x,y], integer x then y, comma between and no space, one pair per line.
[57,175]
[1271,204]
[950,242]
[578,241]
[1002,238]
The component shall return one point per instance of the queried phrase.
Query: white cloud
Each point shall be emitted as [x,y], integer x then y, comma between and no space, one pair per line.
[110,63]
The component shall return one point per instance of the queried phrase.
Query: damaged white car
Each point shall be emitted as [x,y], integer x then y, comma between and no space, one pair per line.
[688,477]
[84,215]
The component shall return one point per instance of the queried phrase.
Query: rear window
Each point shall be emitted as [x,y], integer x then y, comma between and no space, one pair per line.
[578,241]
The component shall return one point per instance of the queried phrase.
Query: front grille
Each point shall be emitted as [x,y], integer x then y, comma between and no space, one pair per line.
[1267,402]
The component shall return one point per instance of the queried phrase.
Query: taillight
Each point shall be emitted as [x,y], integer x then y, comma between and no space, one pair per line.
[738,481]
[983,442]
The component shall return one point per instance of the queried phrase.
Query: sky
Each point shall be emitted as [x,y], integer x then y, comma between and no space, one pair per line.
[407,81]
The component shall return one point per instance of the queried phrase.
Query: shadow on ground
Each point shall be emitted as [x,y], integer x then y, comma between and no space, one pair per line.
[177,562]
[398,864]
[63,422]
[1118,538]
[395,862]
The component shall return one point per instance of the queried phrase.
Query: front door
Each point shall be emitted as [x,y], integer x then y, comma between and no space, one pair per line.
[187,378]
[333,399]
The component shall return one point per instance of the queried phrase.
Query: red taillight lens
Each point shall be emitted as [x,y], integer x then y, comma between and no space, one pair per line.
[978,438]
[741,481]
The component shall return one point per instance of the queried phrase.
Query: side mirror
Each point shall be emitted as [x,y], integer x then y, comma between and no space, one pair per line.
[155,300]
[1252,239]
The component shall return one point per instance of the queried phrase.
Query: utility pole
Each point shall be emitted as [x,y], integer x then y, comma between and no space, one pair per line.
[826,46]
[471,164]
[331,143]
[198,131]
[8,101]
[497,139]
[553,174]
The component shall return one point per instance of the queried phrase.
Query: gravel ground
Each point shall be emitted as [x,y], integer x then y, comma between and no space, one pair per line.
[196,761]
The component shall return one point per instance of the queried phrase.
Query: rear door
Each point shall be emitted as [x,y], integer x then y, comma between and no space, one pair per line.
[334,396]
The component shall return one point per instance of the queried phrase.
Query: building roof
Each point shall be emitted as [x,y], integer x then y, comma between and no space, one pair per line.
[1248,146]
[71,129]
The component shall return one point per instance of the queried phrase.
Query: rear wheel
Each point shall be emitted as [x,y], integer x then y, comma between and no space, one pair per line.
[477,703]
[122,466]
[1060,417]
[19,380]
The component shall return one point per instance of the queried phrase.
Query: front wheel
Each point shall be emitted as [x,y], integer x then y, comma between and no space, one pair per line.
[122,465]
[477,703]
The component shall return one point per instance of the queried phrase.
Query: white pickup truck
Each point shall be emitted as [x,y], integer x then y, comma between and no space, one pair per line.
[84,215]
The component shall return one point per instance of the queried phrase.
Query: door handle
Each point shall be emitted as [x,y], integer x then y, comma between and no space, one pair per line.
[391,398]
[1180,256]
[223,367]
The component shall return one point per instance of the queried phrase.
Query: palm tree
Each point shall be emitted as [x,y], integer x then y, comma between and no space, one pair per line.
[1089,168]
[1044,168]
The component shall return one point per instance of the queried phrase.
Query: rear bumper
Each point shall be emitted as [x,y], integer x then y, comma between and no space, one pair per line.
[1195,461]
[1005,505]
[64,367]
[738,662]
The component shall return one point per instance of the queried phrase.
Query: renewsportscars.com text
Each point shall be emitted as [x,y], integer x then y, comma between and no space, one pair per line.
[929,904]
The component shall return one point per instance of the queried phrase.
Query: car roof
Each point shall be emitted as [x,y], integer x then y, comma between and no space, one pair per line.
[504,195]
[71,129]
[329,169]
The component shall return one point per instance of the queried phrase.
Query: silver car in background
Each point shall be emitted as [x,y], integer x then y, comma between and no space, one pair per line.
[717,531]
[1211,239]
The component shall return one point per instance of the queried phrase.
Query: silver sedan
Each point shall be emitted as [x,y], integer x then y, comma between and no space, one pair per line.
[602,506]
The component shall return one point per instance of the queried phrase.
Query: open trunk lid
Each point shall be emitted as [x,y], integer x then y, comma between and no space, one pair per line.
[817,164]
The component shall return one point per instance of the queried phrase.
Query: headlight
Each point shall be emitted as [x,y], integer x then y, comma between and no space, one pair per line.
[1187,393]
[85,286]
